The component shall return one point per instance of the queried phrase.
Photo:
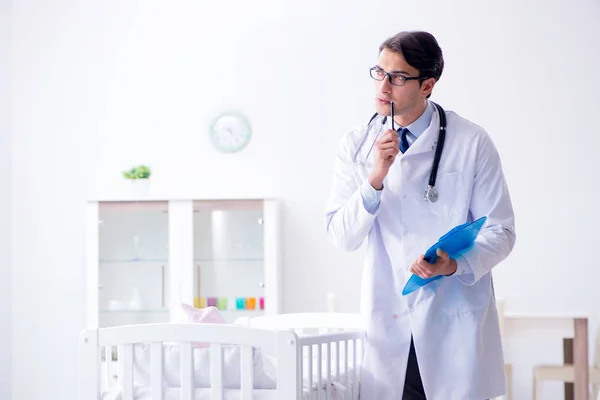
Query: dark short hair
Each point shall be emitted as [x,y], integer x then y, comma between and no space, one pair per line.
[420,50]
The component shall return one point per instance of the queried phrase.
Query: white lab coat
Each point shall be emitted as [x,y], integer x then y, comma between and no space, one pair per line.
[454,319]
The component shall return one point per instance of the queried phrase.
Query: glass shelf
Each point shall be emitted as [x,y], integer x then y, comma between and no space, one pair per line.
[229,260]
[157,260]
[134,260]
[133,311]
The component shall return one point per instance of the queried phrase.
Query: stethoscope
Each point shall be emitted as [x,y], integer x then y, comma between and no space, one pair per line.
[431,194]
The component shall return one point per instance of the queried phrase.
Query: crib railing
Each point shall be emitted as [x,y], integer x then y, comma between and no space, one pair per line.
[348,343]
[290,350]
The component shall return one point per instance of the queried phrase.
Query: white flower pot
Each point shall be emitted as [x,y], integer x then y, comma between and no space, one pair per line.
[140,187]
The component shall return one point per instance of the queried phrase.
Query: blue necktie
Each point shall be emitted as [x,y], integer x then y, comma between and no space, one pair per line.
[403,141]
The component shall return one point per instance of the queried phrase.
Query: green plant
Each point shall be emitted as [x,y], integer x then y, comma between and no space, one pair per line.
[139,172]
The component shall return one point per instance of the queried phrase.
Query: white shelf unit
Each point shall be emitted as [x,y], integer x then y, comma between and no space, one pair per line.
[146,257]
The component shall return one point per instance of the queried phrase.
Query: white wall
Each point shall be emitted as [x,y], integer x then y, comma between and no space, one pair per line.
[50,108]
[140,81]
[5,205]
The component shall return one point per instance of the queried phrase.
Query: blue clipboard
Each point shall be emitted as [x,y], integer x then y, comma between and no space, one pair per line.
[456,242]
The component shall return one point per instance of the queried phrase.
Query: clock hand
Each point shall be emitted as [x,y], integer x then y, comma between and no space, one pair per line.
[230,132]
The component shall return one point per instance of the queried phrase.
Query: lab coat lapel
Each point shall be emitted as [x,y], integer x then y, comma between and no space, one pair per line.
[428,139]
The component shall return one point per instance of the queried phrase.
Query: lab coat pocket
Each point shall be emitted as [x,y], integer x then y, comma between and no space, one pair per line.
[453,297]
[451,207]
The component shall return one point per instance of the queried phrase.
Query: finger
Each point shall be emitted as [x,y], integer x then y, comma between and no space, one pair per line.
[423,263]
[428,269]
[395,149]
[390,150]
[442,255]
[424,273]
[425,270]
[391,153]
[388,145]
[389,136]
[415,269]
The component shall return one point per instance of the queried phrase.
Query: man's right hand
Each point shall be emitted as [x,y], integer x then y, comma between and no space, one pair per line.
[386,148]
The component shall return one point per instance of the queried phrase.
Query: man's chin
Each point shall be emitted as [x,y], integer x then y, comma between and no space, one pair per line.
[382,109]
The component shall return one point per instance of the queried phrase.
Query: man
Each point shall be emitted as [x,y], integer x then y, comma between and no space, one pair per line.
[442,341]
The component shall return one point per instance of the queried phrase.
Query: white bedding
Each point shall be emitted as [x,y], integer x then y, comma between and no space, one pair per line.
[264,369]
[265,366]
[228,394]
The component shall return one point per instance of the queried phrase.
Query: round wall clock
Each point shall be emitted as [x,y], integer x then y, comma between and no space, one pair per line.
[230,132]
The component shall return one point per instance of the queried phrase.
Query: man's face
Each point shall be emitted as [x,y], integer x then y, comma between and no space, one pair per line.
[405,97]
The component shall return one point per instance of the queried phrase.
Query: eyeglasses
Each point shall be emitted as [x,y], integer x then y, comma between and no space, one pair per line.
[395,79]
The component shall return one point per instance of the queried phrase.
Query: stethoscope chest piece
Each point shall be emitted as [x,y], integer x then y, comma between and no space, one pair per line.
[431,194]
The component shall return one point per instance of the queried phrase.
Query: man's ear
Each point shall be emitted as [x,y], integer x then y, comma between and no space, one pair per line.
[427,86]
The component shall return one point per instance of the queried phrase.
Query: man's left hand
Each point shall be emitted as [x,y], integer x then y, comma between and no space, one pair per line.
[444,265]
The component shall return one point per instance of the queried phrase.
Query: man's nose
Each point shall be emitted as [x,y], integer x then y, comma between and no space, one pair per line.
[385,85]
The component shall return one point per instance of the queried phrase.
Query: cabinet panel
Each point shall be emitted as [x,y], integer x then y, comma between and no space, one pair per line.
[229,268]
[133,258]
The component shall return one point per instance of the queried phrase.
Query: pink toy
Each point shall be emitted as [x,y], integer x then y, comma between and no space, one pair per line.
[208,315]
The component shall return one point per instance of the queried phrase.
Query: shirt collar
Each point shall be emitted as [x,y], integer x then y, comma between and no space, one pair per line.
[421,123]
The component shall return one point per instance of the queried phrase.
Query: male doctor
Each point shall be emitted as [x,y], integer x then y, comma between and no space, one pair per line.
[441,342]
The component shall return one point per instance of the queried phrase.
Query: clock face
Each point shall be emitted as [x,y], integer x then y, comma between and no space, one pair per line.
[230,132]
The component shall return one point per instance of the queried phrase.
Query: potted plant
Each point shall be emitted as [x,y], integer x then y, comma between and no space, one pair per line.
[139,176]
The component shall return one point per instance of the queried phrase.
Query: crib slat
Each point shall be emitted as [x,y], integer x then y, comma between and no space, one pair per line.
[107,383]
[187,386]
[337,361]
[328,387]
[216,371]
[156,377]
[354,385]
[319,369]
[346,372]
[126,370]
[247,372]
[310,369]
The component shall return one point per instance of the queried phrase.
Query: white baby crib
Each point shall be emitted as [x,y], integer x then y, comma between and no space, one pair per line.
[288,356]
